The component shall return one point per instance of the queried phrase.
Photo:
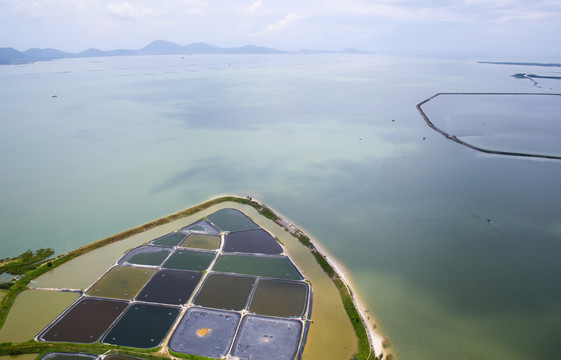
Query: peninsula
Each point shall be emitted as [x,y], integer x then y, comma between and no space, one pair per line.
[70,275]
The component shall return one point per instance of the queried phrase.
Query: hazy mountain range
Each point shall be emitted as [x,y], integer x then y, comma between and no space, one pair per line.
[158,47]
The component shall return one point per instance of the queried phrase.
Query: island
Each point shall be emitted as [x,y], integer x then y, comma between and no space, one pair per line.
[250,281]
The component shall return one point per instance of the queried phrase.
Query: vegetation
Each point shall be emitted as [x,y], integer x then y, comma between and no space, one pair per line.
[186,356]
[25,262]
[31,265]
[304,240]
[42,348]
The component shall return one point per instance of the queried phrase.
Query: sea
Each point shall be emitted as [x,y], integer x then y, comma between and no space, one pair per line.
[456,253]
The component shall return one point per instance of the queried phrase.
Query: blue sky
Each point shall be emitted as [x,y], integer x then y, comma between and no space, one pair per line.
[484,28]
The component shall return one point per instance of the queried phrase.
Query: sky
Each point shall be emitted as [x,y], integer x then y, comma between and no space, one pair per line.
[485,28]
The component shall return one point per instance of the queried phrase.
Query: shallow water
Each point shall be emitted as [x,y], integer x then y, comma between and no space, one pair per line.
[222,291]
[279,298]
[121,283]
[313,137]
[32,311]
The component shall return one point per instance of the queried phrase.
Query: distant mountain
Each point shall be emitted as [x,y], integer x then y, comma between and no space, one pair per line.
[162,47]
[12,56]
[201,48]
[352,51]
[47,54]
[91,53]
[252,49]
[158,47]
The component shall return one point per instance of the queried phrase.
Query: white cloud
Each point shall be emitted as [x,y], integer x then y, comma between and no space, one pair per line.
[256,5]
[126,11]
[289,19]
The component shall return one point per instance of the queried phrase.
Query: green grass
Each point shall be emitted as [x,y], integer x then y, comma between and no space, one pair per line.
[187,356]
[25,262]
[42,348]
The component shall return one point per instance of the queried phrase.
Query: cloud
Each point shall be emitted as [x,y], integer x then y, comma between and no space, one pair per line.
[256,5]
[126,11]
[289,19]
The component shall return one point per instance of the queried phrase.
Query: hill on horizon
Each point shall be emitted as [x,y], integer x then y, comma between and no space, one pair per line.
[10,55]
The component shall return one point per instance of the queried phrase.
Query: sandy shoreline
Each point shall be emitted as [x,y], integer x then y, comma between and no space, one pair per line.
[376,339]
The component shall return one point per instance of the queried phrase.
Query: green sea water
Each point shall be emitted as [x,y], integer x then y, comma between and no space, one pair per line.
[334,143]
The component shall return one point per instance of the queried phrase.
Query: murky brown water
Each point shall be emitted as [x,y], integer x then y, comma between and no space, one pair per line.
[32,311]
[121,283]
[279,298]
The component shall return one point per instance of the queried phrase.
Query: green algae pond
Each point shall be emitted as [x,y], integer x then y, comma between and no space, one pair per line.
[277,267]
[173,239]
[202,241]
[224,291]
[183,259]
[121,282]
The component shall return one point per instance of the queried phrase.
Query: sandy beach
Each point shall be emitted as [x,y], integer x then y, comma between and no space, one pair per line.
[376,339]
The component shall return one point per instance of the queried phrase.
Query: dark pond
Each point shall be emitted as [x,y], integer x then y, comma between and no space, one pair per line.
[267,338]
[142,326]
[68,356]
[222,291]
[231,220]
[86,321]
[172,239]
[279,298]
[172,287]
[252,241]
[205,332]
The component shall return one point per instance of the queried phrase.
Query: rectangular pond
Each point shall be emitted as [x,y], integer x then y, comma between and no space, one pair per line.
[121,282]
[267,338]
[224,291]
[279,298]
[252,241]
[172,287]
[267,266]
[205,332]
[85,321]
[183,259]
[142,326]
[202,241]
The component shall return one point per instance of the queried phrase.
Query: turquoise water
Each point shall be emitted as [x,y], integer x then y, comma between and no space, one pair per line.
[335,143]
